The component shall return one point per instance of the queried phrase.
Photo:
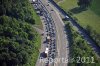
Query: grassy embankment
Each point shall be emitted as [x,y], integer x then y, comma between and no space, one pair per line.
[89,17]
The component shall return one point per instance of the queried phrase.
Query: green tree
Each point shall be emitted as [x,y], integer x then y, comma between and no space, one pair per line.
[84,3]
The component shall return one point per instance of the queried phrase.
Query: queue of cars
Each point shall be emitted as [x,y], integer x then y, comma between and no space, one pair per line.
[50,32]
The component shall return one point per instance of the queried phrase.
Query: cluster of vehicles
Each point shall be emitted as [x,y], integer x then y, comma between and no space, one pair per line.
[50,50]
[49,31]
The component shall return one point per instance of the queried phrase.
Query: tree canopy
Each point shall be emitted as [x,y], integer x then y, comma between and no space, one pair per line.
[20,9]
[17,37]
[84,3]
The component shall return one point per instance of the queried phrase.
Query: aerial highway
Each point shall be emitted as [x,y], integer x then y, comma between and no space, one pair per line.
[62,42]
[54,27]
[49,44]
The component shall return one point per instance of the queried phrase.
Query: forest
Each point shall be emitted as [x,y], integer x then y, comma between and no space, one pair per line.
[19,42]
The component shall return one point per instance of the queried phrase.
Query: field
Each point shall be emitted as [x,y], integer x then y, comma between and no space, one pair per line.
[90,17]
[57,0]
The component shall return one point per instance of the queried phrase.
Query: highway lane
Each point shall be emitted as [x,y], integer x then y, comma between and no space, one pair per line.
[49,28]
[61,36]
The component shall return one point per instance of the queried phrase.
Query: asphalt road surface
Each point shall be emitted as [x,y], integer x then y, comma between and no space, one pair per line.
[61,37]
[49,28]
[62,43]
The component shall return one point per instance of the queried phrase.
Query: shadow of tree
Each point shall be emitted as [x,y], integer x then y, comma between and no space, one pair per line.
[77,10]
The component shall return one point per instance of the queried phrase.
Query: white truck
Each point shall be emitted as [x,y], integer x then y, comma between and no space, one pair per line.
[47,51]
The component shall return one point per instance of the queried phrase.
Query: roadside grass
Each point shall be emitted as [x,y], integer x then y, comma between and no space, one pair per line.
[68,4]
[85,18]
[89,18]
[36,17]
[57,1]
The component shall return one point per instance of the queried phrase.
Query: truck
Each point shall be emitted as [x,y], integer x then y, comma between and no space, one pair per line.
[47,51]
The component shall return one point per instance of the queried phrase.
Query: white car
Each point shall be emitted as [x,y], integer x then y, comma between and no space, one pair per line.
[47,50]
[33,0]
[66,16]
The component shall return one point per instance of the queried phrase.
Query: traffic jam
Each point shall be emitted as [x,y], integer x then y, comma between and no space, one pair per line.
[49,31]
